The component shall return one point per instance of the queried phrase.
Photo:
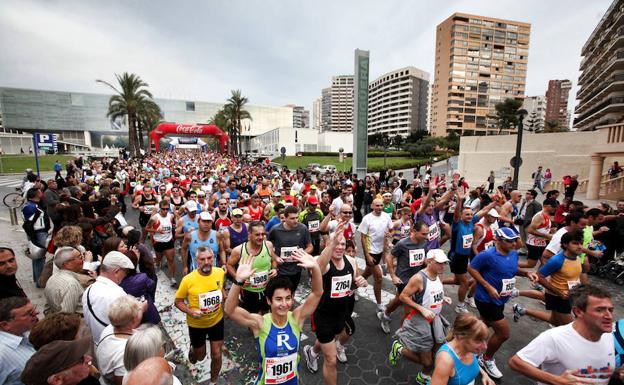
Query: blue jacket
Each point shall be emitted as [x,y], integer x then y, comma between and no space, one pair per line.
[138,285]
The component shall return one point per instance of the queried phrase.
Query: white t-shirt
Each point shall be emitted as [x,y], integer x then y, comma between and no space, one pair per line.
[562,348]
[375,228]
[110,354]
[554,246]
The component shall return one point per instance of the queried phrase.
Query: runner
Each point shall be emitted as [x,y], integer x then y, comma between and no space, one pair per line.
[429,212]
[203,236]
[200,297]
[330,317]
[263,261]
[422,331]
[255,208]
[401,227]
[538,233]
[311,217]
[145,201]
[235,234]
[222,215]
[160,226]
[495,270]
[483,234]
[409,254]
[278,332]
[189,221]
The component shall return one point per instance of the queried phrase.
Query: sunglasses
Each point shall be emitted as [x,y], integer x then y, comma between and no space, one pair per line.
[347,212]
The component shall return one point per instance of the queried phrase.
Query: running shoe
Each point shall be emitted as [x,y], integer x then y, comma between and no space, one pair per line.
[537,287]
[518,311]
[471,302]
[385,321]
[381,307]
[423,379]
[395,352]
[490,367]
[311,361]
[341,353]
[461,308]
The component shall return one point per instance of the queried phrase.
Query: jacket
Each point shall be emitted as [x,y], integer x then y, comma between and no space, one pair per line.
[138,285]
[531,209]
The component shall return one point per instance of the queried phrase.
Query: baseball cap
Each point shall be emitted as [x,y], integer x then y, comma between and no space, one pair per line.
[117,259]
[191,206]
[53,358]
[507,233]
[201,193]
[205,216]
[277,194]
[313,187]
[235,212]
[313,200]
[493,213]
[437,255]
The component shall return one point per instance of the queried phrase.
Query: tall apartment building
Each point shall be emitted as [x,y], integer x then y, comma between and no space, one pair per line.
[301,116]
[397,102]
[536,113]
[601,83]
[341,104]
[326,98]
[557,106]
[480,61]
[316,113]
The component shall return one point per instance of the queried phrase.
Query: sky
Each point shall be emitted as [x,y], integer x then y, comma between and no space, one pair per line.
[276,52]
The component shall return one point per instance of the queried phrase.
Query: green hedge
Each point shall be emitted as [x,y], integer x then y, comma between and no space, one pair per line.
[371,154]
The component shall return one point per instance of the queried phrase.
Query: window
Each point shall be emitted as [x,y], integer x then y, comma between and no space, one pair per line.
[190,106]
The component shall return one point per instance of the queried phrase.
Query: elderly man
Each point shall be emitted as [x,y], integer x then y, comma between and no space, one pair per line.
[98,297]
[63,290]
[17,316]
[51,198]
[9,287]
[152,371]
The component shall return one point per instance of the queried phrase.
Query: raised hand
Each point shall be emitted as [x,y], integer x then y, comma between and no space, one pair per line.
[304,259]
[244,270]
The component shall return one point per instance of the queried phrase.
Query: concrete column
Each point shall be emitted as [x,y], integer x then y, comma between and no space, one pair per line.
[595,174]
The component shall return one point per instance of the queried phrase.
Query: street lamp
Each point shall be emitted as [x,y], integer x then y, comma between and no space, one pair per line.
[517,160]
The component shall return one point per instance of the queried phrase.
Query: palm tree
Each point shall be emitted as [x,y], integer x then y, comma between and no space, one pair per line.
[222,119]
[130,94]
[148,117]
[235,106]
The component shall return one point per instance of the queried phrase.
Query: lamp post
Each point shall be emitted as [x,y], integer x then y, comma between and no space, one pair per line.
[517,159]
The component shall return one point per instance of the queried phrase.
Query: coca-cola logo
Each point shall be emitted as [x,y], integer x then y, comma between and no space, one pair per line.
[181,129]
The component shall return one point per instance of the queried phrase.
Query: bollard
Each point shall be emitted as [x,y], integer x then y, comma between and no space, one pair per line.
[13,215]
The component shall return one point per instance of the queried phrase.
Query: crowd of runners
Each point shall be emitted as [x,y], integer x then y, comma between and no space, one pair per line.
[246,237]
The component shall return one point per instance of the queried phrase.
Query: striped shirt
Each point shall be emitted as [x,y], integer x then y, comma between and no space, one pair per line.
[63,292]
[15,351]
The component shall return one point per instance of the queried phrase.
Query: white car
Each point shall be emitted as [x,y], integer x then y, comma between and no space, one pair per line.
[329,169]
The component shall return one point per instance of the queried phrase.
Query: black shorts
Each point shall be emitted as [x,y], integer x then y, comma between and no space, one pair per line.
[535,252]
[376,259]
[253,302]
[327,327]
[490,312]
[557,304]
[400,287]
[198,335]
[143,219]
[459,264]
[159,247]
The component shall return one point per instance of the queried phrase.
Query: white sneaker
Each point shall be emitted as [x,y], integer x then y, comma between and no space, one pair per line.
[341,354]
[381,307]
[471,302]
[490,367]
[385,321]
[311,361]
[461,308]
[173,282]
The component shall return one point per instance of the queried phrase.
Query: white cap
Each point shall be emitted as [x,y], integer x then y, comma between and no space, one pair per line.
[205,216]
[437,255]
[191,206]
[117,259]
[493,213]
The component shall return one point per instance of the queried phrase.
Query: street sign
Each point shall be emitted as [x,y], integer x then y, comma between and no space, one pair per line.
[512,162]
[283,150]
[48,142]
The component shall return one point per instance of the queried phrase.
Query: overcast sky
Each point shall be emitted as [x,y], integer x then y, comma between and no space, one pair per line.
[276,52]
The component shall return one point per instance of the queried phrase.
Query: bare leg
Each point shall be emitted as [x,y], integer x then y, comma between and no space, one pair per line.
[215,359]
[535,294]
[170,255]
[330,375]
[501,334]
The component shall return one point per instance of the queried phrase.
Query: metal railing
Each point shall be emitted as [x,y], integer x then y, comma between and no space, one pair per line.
[612,188]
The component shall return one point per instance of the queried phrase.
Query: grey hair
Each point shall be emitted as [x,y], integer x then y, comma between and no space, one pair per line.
[145,343]
[124,310]
[203,249]
[63,255]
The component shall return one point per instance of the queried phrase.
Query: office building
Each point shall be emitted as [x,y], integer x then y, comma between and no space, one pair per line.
[397,102]
[301,116]
[316,114]
[601,83]
[326,109]
[557,106]
[341,103]
[479,61]
[536,113]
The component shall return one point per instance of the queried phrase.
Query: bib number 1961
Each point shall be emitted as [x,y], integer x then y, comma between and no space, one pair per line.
[280,369]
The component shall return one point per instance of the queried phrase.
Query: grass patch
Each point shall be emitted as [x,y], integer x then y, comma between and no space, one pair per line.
[374,164]
[10,164]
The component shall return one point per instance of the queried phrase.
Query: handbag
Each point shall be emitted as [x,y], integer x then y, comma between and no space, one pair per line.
[35,252]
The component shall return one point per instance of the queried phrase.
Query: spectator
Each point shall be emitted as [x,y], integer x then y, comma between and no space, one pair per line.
[9,287]
[17,317]
[570,189]
[538,177]
[146,342]
[51,199]
[36,225]
[547,178]
[615,170]
[57,326]
[140,285]
[63,290]
[153,371]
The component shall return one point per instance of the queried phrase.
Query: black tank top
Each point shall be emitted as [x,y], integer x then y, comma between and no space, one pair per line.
[337,286]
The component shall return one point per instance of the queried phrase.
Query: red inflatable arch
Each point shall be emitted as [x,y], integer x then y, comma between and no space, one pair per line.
[164,129]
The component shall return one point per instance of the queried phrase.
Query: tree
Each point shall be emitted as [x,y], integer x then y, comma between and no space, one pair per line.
[222,119]
[149,116]
[416,136]
[235,107]
[507,114]
[397,141]
[131,93]
[553,126]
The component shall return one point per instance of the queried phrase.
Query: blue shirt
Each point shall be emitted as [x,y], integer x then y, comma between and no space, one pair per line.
[15,351]
[462,236]
[495,267]
[272,223]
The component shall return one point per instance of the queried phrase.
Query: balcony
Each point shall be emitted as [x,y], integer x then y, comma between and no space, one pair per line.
[612,84]
[593,116]
[615,63]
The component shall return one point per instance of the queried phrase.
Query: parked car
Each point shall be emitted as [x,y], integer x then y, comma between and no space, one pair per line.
[313,168]
[329,169]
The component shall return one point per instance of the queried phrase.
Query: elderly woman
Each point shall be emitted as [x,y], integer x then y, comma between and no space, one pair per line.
[125,315]
[140,285]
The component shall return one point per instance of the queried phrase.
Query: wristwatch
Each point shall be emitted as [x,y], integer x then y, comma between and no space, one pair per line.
[239,283]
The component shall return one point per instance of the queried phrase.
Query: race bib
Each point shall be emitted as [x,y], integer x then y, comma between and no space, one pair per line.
[341,286]
[149,209]
[434,232]
[416,257]
[286,253]
[437,297]
[573,284]
[210,301]
[488,245]
[233,204]
[278,370]
[508,286]
[405,230]
[259,280]
[467,241]
[314,226]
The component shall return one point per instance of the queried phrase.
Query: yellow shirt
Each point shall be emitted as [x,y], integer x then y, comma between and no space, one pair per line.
[204,293]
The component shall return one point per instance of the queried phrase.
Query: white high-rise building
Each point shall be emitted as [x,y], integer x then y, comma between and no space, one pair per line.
[316,113]
[536,113]
[341,104]
[398,101]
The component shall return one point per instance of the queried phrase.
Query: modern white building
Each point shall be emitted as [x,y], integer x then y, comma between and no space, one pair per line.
[341,104]
[296,140]
[316,113]
[398,102]
[536,113]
